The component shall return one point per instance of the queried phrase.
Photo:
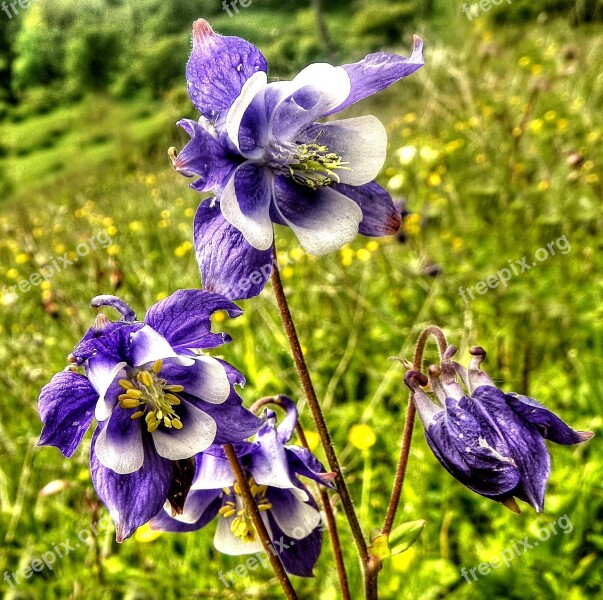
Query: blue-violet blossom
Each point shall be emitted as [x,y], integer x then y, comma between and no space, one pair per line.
[156,398]
[288,510]
[260,149]
[490,441]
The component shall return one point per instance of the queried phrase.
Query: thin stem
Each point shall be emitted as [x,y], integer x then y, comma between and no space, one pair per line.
[319,421]
[256,518]
[326,503]
[409,423]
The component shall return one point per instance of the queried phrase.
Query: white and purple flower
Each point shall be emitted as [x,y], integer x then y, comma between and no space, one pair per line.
[288,510]
[492,442]
[260,149]
[156,398]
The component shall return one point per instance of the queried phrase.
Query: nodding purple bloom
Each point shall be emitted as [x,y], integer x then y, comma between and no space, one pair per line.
[288,510]
[491,441]
[156,398]
[260,149]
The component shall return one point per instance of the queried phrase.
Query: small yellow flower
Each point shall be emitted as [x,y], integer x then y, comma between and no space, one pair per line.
[544,185]
[536,69]
[165,214]
[135,226]
[161,296]
[457,244]
[562,125]
[22,258]
[410,118]
[113,250]
[550,115]
[592,178]
[151,180]
[524,61]
[145,534]
[297,254]
[362,436]
[434,180]
[112,230]
[189,212]
[218,317]
[536,125]
[287,273]
[372,246]
[363,254]
[60,248]
[12,273]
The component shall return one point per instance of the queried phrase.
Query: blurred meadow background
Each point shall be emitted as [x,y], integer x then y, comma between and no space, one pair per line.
[496,148]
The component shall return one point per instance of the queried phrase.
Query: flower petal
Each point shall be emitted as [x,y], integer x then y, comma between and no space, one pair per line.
[184,318]
[132,499]
[303,462]
[226,542]
[66,407]
[218,68]
[229,265]
[245,204]
[119,444]
[213,471]
[378,71]
[295,518]
[551,427]
[200,509]
[323,220]
[203,156]
[380,217]
[150,346]
[197,434]
[316,91]
[206,379]
[361,142]
[102,371]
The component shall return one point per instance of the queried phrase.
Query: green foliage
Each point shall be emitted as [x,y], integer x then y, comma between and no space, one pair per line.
[578,11]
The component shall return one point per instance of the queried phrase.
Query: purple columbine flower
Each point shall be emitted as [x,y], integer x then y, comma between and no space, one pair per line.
[260,149]
[490,441]
[288,510]
[156,398]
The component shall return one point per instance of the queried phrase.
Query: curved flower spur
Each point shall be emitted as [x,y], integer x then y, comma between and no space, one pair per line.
[492,442]
[158,401]
[288,510]
[259,148]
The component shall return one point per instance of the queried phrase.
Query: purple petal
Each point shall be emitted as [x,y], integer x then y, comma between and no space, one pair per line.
[135,498]
[206,378]
[380,70]
[213,470]
[229,265]
[299,556]
[200,508]
[468,451]
[286,427]
[119,444]
[218,68]
[550,426]
[302,462]
[184,318]
[66,407]
[245,204]
[380,217]
[203,156]
[197,434]
[323,220]
[524,441]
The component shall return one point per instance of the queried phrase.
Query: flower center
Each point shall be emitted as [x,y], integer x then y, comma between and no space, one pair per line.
[153,397]
[315,166]
[242,525]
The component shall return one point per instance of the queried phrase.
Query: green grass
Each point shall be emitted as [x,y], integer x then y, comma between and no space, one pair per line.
[481,192]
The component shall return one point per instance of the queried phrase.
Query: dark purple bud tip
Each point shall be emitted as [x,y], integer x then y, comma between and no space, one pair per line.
[477,351]
[119,305]
[449,353]
[412,378]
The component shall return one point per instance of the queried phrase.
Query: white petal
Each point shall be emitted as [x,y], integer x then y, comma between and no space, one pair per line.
[256,228]
[211,383]
[331,224]
[197,434]
[101,375]
[254,85]
[362,142]
[149,346]
[297,519]
[122,454]
[226,542]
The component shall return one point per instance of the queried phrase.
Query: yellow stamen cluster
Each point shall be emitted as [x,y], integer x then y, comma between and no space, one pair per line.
[242,526]
[315,166]
[153,397]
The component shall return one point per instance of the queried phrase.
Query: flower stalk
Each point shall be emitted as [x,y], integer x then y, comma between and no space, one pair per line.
[256,518]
